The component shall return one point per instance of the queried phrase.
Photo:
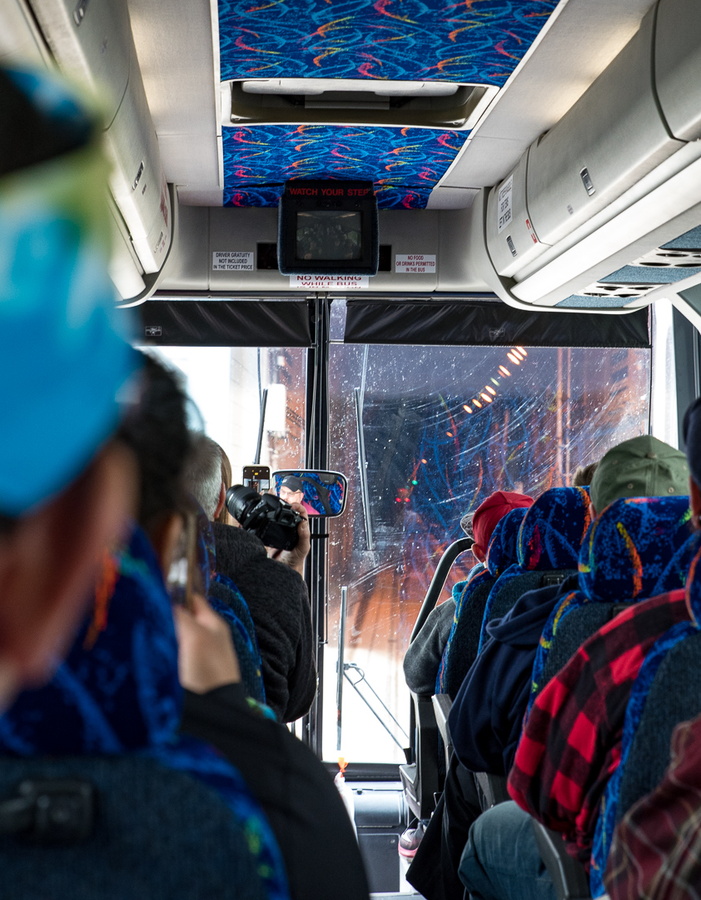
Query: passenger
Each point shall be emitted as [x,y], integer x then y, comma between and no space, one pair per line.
[292,491]
[117,693]
[66,486]
[423,657]
[225,516]
[297,794]
[571,742]
[584,474]
[276,595]
[487,715]
[656,851]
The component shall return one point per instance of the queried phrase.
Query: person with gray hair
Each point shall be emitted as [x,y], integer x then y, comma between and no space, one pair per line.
[273,588]
[203,475]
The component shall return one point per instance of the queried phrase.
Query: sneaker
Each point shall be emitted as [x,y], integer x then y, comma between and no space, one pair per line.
[409,841]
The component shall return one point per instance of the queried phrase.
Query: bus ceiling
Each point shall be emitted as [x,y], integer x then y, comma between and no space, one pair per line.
[578,193]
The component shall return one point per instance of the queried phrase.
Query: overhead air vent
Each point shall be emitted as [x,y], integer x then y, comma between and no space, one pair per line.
[327,101]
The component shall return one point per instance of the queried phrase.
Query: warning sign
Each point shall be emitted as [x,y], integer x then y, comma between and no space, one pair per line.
[415,263]
[330,282]
[505,204]
[232,261]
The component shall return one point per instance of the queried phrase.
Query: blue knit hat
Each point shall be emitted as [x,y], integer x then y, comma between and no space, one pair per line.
[63,350]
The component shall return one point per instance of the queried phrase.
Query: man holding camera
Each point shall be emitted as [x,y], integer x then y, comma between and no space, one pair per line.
[272,584]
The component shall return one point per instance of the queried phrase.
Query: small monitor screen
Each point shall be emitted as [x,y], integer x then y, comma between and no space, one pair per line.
[329,235]
[328,228]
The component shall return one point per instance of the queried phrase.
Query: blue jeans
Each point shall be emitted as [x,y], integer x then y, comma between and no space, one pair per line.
[501,860]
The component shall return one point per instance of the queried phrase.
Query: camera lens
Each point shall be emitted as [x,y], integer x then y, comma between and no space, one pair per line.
[240,500]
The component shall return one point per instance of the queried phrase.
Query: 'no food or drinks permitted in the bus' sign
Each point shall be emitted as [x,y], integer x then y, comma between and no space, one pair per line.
[232,261]
[415,263]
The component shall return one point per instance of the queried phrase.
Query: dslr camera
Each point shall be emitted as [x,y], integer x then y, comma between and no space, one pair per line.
[267,516]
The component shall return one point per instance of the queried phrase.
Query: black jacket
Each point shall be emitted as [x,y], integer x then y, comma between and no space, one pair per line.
[277,598]
[298,796]
[486,717]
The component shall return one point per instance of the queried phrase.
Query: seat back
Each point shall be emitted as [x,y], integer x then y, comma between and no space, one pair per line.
[150,832]
[110,717]
[549,542]
[463,641]
[637,548]
[666,692]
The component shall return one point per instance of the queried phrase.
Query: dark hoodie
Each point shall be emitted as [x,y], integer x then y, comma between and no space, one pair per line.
[487,715]
[279,604]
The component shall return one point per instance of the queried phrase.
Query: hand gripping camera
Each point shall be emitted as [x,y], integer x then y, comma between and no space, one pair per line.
[268,517]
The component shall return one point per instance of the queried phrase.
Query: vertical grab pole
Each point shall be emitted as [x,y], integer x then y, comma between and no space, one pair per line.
[341,665]
[362,466]
[261,427]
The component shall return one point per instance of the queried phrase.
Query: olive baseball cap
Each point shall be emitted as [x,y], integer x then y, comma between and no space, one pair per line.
[641,467]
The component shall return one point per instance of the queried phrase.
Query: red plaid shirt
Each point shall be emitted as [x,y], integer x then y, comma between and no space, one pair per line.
[656,851]
[571,743]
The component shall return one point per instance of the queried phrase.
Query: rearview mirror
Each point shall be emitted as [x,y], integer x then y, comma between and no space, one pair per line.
[320,492]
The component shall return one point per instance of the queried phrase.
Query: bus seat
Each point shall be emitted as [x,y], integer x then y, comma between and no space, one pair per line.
[637,548]
[422,776]
[548,548]
[99,791]
[463,641]
[568,875]
[666,692]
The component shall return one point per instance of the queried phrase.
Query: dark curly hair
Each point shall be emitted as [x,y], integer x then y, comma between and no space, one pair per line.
[156,430]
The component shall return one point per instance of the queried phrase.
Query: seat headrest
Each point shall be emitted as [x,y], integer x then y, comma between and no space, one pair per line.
[504,541]
[118,688]
[630,546]
[553,530]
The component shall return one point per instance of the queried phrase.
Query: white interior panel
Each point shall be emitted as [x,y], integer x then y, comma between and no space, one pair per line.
[511,238]
[92,42]
[612,136]
[678,66]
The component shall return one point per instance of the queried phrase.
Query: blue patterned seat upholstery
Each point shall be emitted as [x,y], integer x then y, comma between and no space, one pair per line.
[462,645]
[637,548]
[666,692]
[549,543]
[228,601]
[110,717]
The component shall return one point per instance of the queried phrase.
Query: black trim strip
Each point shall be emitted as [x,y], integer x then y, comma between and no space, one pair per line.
[464,322]
[223,323]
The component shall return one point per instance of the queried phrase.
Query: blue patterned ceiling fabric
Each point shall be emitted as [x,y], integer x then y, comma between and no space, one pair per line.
[404,163]
[477,41]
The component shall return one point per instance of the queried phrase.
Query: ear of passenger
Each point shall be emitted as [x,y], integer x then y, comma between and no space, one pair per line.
[49,563]
[695,495]
[692,440]
[220,502]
